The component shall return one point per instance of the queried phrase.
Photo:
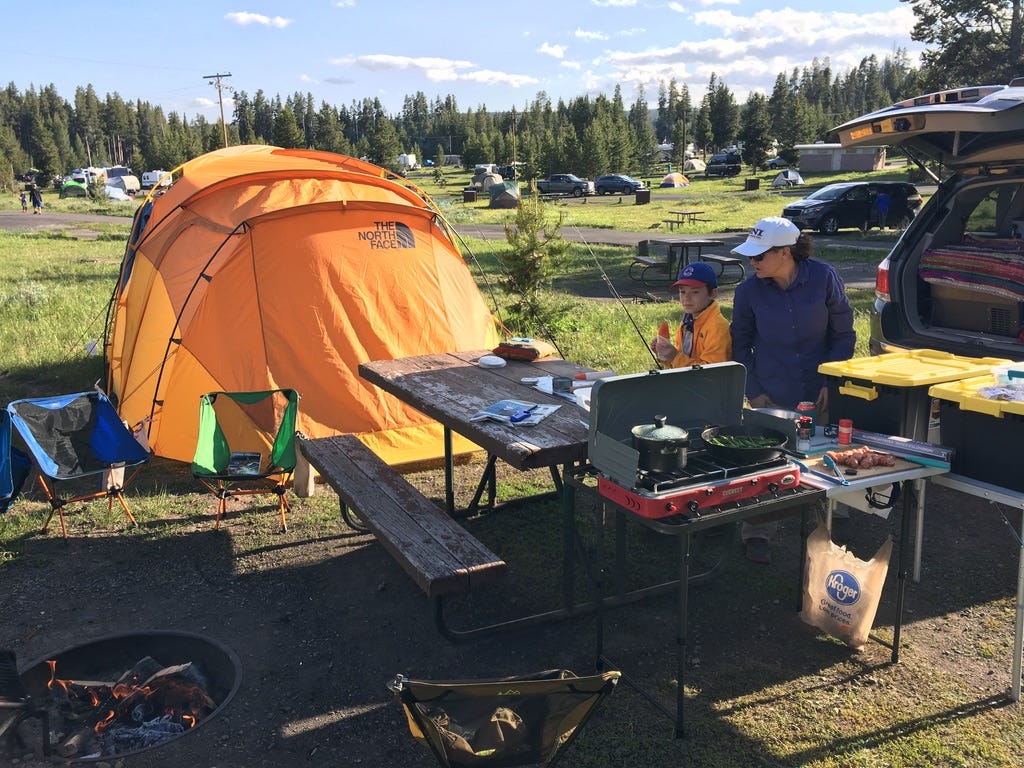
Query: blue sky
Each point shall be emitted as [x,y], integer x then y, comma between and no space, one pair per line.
[498,54]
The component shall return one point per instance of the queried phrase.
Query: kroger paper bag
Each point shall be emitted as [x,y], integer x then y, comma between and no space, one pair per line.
[841,592]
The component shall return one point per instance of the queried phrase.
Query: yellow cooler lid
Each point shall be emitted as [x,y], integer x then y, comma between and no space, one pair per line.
[912,368]
[965,394]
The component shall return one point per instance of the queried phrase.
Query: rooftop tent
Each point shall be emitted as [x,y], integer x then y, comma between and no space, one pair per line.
[675,180]
[263,268]
[505,194]
[787,178]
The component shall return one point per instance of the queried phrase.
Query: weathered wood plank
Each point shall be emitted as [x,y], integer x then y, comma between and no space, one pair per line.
[438,554]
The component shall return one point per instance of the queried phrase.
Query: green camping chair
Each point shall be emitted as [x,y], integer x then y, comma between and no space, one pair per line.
[245,438]
[528,720]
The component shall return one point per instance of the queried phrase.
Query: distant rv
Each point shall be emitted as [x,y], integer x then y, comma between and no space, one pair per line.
[152,179]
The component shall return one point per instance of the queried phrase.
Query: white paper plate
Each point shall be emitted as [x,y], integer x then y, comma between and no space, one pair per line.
[491,361]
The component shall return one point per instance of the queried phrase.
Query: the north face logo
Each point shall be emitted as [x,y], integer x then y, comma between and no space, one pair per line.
[389,234]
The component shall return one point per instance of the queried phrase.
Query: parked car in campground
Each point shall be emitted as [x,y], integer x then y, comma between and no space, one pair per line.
[565,184]
[724,164]
[617,182]
[776,163]
[954,281]
[852,205]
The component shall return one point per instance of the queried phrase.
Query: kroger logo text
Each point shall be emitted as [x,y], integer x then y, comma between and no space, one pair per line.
[842,587]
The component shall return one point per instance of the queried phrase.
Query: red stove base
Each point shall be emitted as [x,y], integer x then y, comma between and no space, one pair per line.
[691,500]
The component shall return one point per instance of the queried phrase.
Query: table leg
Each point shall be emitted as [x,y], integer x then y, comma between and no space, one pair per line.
[449,473]
[919,532]
[682,608]
[901,574]
[1018,630]
[568,540]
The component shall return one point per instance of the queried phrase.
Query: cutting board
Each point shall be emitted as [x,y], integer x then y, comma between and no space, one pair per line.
[901,464]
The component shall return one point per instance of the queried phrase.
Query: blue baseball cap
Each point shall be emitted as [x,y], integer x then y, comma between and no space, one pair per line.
[697,274]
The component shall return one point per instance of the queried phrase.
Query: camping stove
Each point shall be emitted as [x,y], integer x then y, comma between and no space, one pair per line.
[705,483]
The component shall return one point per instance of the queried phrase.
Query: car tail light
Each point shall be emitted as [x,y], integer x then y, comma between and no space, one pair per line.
[882,280]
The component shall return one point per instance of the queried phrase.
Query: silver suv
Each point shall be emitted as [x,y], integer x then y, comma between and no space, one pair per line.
[954,281]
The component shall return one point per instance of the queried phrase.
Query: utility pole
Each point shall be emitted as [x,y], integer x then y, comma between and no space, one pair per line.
[214,80]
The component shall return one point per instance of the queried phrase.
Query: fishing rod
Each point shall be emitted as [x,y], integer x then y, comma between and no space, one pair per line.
[617,296]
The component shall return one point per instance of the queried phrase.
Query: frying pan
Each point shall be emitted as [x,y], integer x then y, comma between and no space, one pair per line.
[744,455]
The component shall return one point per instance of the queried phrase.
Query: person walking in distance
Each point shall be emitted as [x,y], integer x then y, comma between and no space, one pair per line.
[37,200]
[24,202]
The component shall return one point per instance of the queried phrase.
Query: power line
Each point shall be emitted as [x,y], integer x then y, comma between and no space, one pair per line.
[215,80]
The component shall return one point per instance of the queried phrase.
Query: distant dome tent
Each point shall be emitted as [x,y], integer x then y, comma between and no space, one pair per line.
[675,179]
[504,195]
[262,268]
[73,189]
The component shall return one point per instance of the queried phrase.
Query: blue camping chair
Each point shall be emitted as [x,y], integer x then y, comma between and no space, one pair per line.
[14,465]
[74,436]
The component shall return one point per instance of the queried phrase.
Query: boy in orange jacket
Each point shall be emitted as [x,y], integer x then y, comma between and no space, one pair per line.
[703,337]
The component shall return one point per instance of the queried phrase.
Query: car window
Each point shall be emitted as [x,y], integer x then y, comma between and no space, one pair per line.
[996,213]
[827,193]
[858,193]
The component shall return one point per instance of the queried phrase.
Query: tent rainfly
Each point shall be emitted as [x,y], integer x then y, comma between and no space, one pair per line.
[787,178]
[675,179]
[263,268]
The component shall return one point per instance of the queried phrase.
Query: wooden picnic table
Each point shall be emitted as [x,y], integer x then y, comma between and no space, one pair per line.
[683,217]
[451,387]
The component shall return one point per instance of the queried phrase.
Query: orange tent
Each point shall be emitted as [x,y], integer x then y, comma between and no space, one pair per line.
[262,268]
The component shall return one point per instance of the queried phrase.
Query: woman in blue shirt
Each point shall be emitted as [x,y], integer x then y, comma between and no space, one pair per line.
[788,318]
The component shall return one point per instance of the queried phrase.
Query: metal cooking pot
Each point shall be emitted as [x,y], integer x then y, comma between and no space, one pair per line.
[662,447]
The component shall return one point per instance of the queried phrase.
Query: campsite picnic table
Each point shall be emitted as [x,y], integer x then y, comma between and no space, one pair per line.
[451,387]
[683,217]
[658,270]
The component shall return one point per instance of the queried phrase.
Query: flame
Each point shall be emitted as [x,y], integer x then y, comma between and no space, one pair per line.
[188,721]
[102,724]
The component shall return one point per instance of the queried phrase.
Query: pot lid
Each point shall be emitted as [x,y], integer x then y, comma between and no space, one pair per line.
[659,430]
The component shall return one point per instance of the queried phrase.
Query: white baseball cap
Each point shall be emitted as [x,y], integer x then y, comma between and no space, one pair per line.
[771,232]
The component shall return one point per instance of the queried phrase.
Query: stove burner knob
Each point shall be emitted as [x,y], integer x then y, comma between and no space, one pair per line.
[773,487]
[693,506]
[709,491]
[671,507]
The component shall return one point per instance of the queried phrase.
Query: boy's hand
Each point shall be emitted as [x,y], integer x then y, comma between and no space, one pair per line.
[663,349]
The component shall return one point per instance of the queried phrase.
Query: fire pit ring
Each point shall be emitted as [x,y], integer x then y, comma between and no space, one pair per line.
[96,658]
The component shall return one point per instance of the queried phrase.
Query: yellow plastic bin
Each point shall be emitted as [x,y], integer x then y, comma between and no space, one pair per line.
[889,393]
[985,433]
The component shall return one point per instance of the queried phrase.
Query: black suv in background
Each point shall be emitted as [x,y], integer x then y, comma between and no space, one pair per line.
[954,281]
[852,204]
[723,164]
[617,182]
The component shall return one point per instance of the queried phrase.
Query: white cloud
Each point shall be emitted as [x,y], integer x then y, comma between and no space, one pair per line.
[490,77]
[203,103]
[305,78]
[432,68]
[584,34]
[614,3]
[570,65]
[750,51]
[557,51]
[631,32]
[345,4]
[244,19]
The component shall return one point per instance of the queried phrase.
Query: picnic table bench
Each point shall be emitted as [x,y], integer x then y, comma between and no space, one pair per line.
[725,262]
[437,553]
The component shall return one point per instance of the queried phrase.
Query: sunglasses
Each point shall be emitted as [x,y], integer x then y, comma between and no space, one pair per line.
[760,256]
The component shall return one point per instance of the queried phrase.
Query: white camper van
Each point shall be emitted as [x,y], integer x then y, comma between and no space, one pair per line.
[152,179]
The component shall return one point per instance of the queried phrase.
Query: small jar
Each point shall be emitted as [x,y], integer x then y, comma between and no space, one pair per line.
[804,425]
[845,431]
